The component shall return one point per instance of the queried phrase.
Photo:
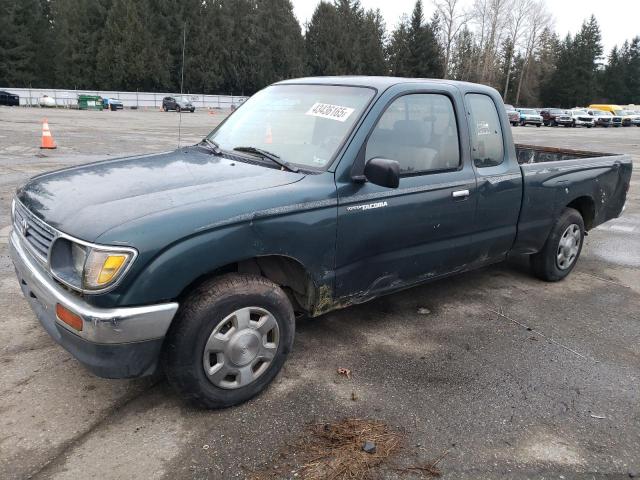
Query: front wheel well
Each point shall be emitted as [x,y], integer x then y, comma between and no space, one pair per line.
[587,208]
[284,271]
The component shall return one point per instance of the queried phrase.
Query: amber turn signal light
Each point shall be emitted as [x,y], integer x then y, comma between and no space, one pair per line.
[67,316]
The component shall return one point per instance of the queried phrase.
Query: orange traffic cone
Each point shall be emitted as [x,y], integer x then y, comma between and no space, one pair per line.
[47,139]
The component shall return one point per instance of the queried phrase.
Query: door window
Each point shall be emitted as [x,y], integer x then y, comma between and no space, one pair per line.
[420,132]
[487,147]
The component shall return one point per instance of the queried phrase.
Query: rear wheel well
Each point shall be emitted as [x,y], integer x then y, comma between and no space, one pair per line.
[587,208]
[284,271]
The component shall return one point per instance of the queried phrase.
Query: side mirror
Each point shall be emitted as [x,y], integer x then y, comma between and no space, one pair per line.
[383,172]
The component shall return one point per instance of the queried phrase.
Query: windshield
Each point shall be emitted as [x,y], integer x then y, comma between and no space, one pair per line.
[619,112]
[528,111]
[302,124]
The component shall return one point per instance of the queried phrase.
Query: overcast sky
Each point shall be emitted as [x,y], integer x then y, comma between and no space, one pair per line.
[619,19]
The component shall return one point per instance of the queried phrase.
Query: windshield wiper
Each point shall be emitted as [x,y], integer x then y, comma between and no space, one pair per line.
[271,156]
[213,146]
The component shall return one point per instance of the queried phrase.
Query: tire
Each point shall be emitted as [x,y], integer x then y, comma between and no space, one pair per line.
[178,108]
[165,108]
[537,125]
[211,313]
[546,264]
[553,123]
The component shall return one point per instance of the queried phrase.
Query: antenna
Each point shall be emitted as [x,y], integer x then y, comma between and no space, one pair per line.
[184,42]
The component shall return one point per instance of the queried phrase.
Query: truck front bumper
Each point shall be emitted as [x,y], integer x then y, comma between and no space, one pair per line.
[113,343]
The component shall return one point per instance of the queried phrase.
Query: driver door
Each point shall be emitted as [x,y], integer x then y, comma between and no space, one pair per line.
[390,238]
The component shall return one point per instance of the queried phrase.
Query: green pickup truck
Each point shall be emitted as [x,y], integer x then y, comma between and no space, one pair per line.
[316,194]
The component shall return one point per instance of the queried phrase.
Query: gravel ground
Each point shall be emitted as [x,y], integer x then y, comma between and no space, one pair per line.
[510,377]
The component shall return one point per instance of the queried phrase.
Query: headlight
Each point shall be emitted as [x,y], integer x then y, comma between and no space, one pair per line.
[88,267]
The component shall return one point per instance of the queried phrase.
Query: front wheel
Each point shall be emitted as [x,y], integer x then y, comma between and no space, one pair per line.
[230,339]
[562,248]
[537,125]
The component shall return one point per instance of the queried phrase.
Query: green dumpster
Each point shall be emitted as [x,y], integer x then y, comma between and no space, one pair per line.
[89,102]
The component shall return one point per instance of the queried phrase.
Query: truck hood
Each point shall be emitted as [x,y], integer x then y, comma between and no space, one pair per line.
[87,200]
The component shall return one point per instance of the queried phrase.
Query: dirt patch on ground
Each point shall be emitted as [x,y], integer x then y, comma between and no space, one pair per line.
[351,449]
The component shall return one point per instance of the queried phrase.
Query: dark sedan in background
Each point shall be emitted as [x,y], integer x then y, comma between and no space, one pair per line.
[9,99]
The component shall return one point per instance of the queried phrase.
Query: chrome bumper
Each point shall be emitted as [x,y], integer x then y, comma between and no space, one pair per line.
[100,326]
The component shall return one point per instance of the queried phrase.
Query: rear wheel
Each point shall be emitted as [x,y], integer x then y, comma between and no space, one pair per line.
[229,340]
[562,248]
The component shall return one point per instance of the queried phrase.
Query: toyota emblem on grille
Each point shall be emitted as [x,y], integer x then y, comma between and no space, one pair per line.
[24,227]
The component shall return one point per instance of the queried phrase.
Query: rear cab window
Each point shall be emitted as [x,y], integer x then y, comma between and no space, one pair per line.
[487,143]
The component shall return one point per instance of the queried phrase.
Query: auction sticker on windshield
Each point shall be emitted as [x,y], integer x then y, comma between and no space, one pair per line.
[333,112]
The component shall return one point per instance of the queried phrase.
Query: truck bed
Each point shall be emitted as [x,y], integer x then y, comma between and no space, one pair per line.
[536,154]
[553,178]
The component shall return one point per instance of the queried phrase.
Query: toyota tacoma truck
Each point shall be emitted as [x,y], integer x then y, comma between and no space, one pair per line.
[316,194]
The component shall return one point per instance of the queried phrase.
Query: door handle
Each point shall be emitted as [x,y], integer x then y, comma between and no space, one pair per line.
[460,193]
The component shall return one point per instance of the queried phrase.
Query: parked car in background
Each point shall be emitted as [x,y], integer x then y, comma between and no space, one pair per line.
[528,116]
[9,99]
[614,110]
[112,104]
[47,101]
[630,118]
[602,119]
[549,116]
[581,118]
[512,114]
[565,119]
[178,104]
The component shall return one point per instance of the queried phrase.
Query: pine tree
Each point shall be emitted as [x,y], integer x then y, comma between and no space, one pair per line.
[344,39]
[463,56]
[128,59]
[320,38]
[25,43]
[372,44]
[587,52]
[414,49]
[633,71]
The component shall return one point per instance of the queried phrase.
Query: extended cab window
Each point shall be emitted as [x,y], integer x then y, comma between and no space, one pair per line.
[487,147]
[419,131]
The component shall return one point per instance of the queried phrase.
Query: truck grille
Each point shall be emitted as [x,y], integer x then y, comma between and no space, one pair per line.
[38,235]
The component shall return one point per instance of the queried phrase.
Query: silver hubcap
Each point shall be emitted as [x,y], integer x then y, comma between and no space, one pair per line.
[568,247]
[241,347]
